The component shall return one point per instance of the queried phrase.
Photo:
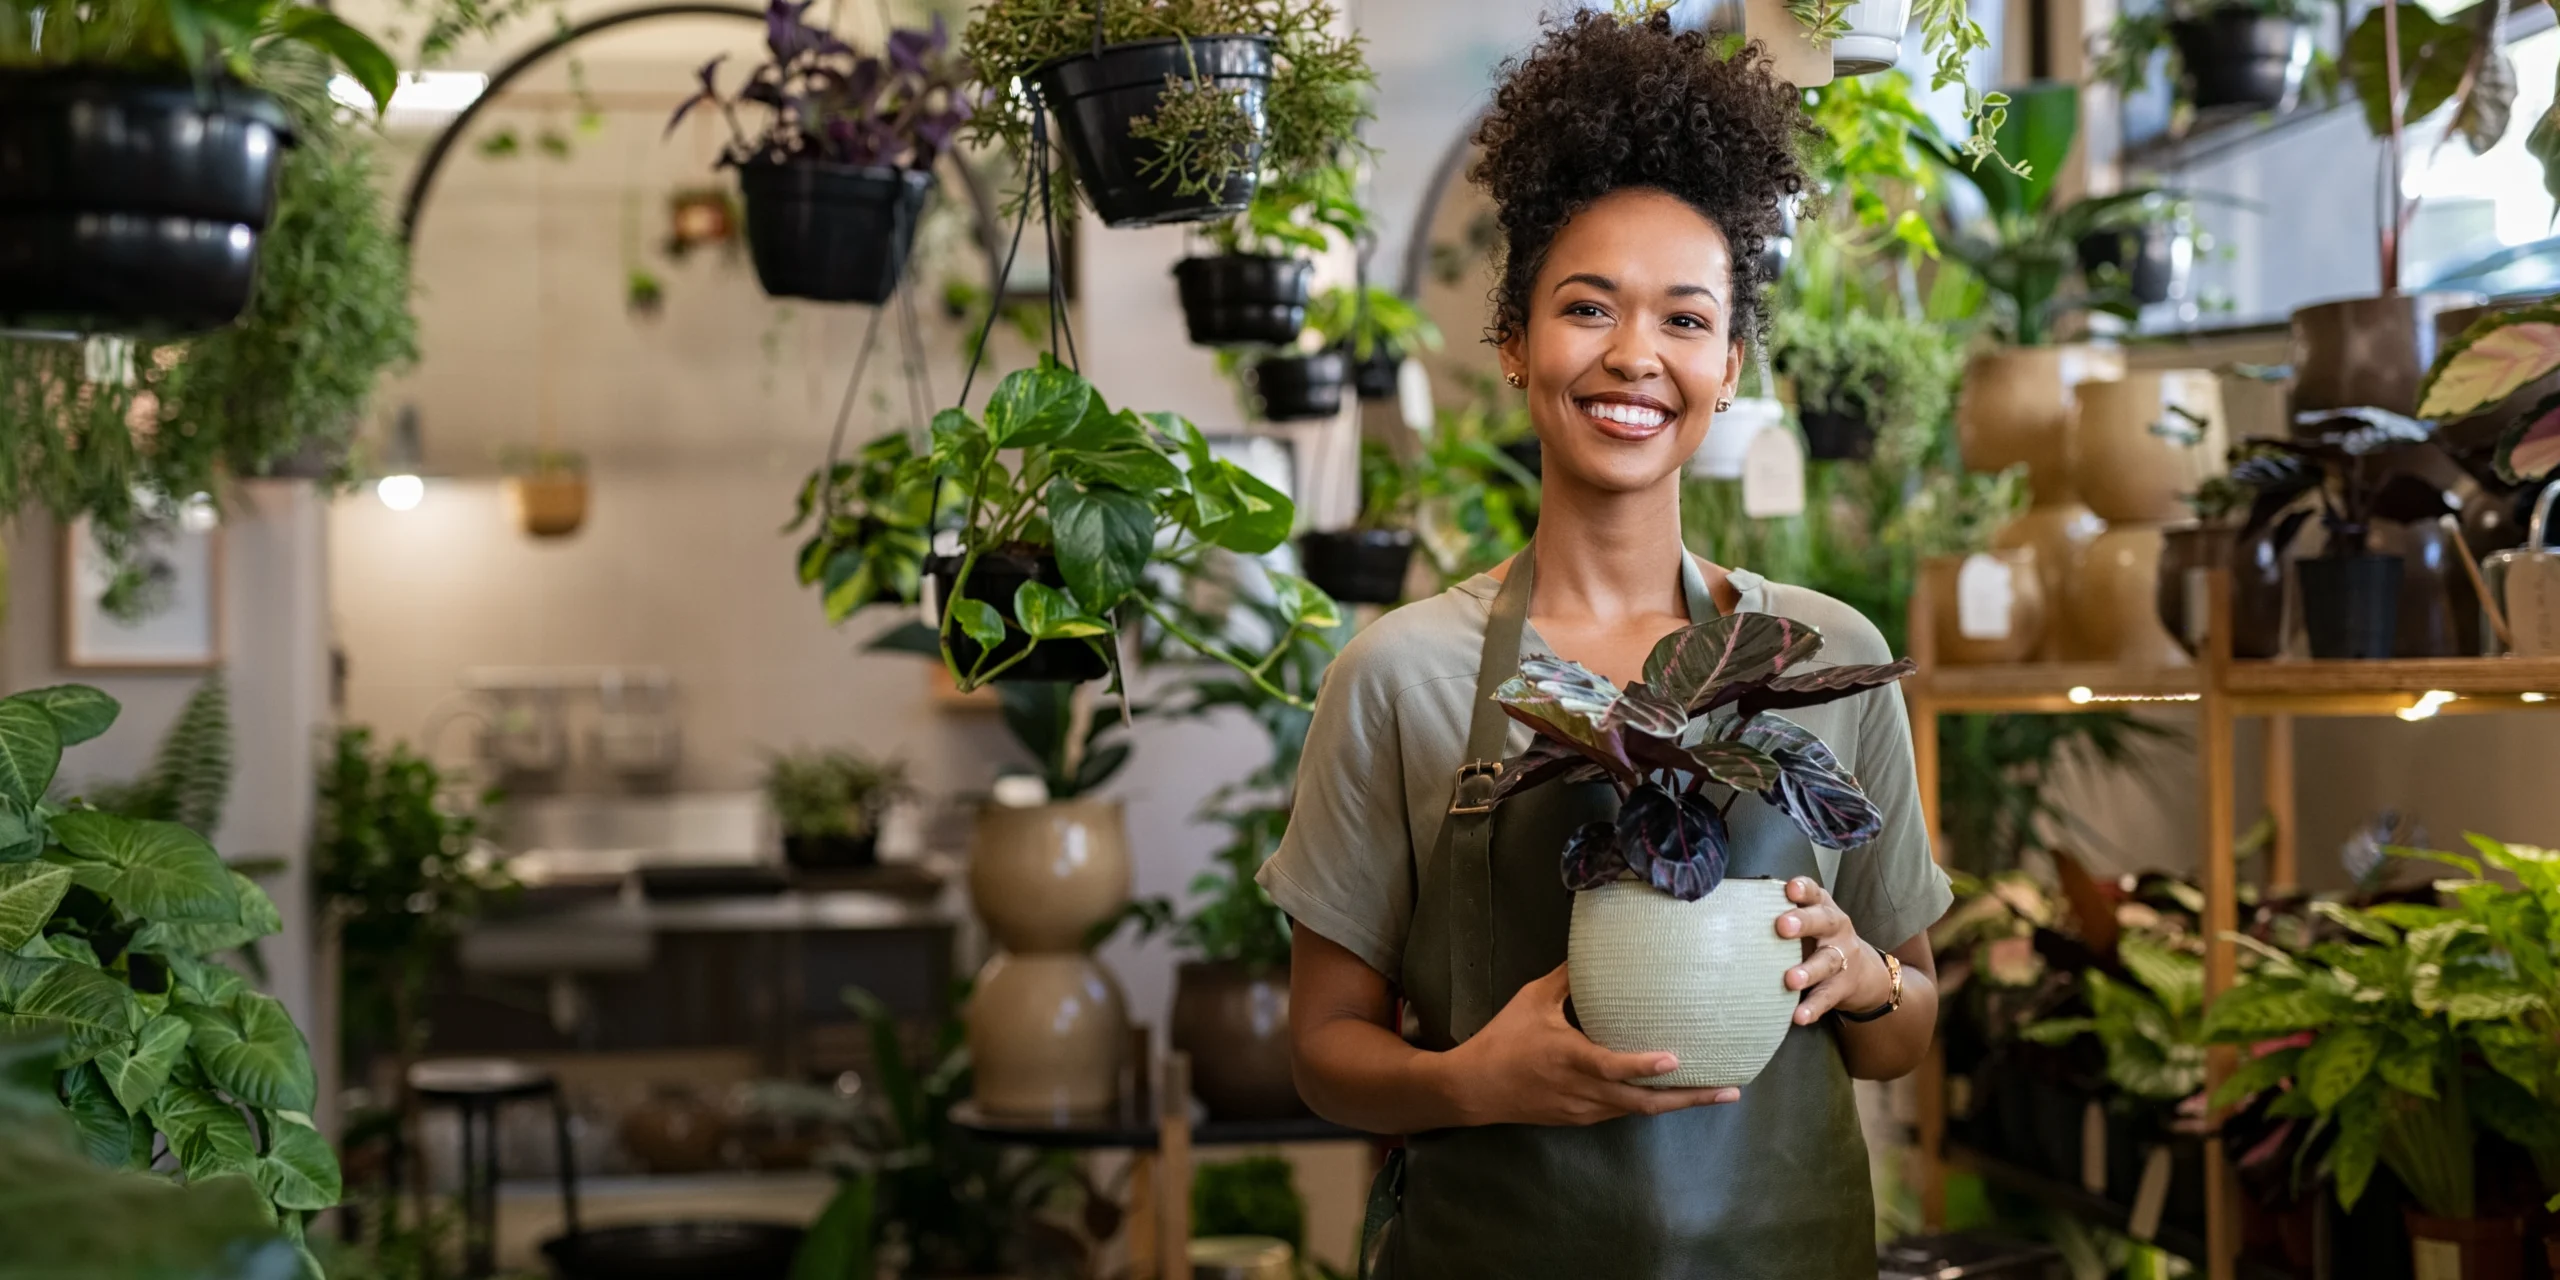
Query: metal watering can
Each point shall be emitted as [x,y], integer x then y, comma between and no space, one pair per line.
[2525,583]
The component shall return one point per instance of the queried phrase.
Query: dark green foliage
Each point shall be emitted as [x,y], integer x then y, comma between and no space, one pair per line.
[1896,375]
[830,793]
[190,778]
[1996,775]
[870,537]
[1254,1196]
[1041,715]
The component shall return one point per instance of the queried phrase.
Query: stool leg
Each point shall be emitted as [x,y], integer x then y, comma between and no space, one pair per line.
[480,1190]
[568,1164]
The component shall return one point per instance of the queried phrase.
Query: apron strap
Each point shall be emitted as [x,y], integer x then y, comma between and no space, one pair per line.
[1469,844]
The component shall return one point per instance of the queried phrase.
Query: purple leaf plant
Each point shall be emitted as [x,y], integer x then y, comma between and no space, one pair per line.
[1688,739]
[826,101]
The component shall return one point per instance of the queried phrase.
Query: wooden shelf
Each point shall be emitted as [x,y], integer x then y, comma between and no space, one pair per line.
[2051,686]
[2284,685]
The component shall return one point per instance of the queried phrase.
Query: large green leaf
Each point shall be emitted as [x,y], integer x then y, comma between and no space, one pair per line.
[347,46]
[2037,129]
[2258,1010]
[2352,1157]
[1263,517]
[1104,538]
[251,1050]
[30,750]
[204,981]
[840,1242]
[1037,406]
[209,1135]
[2434,56]
[78,712]
[2409,1068]
[299,1171]
[136,1071]
[258,919]
[1136,468]
[2175,978]
[150,870]
[2263,1072]
[88,1008]
[29,891]
[112,1133]
[2337,1062]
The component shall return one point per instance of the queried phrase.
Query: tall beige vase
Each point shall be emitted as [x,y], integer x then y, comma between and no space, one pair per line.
[2113,603]
[2142,442]
[1047,1025]
[2014,406]
[2058,533]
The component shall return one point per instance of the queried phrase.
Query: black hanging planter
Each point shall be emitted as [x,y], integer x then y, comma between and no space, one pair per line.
[831,853]
[1835,436]
[1096,95]
[1292,388]
[831,232]
[2153,259]
[2351,605]
[132,205]
[2235,56]
[1243,299]
[1358,566]
[995,579]
[1374,376]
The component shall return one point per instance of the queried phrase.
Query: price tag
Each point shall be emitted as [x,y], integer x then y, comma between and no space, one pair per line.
[1773,476]
[2199,604]
[1413,396]
[1986,594]
[2436,1259]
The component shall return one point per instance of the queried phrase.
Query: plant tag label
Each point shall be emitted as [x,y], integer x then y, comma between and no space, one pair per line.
[2152,1198]
[1413,396]
[2436,1259]
[1985,596]
[2199,617]
[2093,1149]
[1773,476]
[106,360]
[2533,605]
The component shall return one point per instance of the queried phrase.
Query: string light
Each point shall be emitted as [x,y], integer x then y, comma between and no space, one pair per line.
[2081,696]
[2534,697]
[2426,706]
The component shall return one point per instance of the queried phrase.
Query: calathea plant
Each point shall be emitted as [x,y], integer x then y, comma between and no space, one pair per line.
[2498,356]
[1683,743]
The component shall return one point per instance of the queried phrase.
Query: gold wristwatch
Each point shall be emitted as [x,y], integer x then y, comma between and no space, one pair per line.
[1892,970]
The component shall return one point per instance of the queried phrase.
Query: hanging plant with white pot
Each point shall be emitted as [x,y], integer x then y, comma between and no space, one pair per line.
[1666,954]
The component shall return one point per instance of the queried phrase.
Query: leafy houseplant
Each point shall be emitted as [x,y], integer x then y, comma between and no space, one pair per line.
[1377,328]
[108,929]
[190,776]
[872,531]
[2350,596]
[836,179]
[2498,356]
[1253,290]
[1865,38]
[1858,374]
[2223,53]
[829,803]
[1172,111]
[1368,562]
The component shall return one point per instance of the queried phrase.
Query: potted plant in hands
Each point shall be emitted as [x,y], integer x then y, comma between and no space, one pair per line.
[1170,113]
[829,805]
[872,530]
[836,179]
[2247,54]
[1376,328]
[1857,373]
[1253,290]
[2350,595]
[139,158]
[1657,953]
[1367,563]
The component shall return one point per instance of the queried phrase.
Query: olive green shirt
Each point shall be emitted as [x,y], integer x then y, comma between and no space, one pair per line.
[1391,724]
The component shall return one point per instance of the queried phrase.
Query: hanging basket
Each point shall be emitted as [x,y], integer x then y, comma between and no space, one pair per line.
[550,505]
[994,580]
[1243,299]
[1375,377]
[1358,566]
[2153,259]
[1833,436]
[831,232]
[2235,56]
[1292,388]
[132,205]
[1096,95]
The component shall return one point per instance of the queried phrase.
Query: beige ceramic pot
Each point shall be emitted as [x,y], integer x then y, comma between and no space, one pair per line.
[1043,876]
[2058,533]
[1046,1036]
[1704,980]
[1988,607]
[2015,407]
[2113,602]
[2369,352]
[2142,442]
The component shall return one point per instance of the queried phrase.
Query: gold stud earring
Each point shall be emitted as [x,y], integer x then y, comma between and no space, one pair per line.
[1723,404]
[1515,379]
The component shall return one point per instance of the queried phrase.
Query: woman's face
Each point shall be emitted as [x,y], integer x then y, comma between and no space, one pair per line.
[1627,350]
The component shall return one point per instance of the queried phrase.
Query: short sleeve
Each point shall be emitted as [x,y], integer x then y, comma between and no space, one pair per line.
[1345,865]
[1892,888]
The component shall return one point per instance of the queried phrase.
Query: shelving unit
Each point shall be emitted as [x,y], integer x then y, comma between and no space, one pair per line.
[2222,690]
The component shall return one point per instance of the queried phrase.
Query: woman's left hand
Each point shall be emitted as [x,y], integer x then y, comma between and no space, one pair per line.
[1840,970]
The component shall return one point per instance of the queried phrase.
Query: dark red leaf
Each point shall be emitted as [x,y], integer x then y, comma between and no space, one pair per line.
[1813,790]
[1642,710]
[1591,857]
[1546,760]
[1693,665]
[1676,843]
[1733,764]
[1812,688]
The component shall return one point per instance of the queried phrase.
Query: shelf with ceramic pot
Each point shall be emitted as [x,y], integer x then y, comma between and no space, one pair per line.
[2411,688]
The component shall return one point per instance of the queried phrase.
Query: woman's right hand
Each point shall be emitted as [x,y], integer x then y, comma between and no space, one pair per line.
[1530,1066]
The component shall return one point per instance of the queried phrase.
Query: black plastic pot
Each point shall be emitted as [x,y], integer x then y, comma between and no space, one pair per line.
[1243,299]
[1375,377]
[1096,95]
[1836,437]
[831,232]
[1295,387]
[2153,259]
[132,205]
[2239,57]
[1528,454]
[2351,605]
[995,579]
[709,1250]
[831,853]
[1358,566]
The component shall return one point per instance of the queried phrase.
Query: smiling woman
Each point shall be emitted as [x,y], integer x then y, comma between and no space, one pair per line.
[1636,175]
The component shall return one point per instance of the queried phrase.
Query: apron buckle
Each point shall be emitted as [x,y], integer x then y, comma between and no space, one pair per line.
[1477,781]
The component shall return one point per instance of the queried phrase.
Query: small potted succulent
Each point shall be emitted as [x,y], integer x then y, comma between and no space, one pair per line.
[2350,594]
[1377,328]
[1253,290]
[1169,113]
[837,177]
[2248,54]
[870,524]
[1857,374]
[1367,563]
[139,158]
[1666,954]
[829,805]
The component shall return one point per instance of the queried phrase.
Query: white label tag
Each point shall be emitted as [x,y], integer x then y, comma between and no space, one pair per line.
[106,359]
[2199,604]
[2436,1259]
[2533,605]
[1985,596]
[2093,1149]
[1413,396]
[2152,1198]
[1773,476]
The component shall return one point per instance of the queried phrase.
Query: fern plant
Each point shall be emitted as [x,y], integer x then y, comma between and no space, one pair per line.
[190,777]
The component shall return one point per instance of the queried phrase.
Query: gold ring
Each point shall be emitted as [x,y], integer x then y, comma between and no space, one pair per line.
[1834,948]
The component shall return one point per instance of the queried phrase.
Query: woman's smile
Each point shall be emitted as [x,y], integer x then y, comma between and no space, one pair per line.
[1625,416]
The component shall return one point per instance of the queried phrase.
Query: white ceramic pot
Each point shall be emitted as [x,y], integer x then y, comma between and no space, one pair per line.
[1728,440]
[1704,981]
[1874,42]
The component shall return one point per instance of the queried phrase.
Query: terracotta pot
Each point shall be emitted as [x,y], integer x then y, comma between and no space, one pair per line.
[1043,876]
[675,1131]
[1234,1022]
[2015,407]
[550,505]
[2368,352]
[2144,441]
[2009,616]
[2113,602]
[2465,1248]
[2059,534]
[1046,1036]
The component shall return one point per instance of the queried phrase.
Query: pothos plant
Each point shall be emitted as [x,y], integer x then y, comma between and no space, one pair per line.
[1686,741]
[872,529]
[108,931]
[1052,470]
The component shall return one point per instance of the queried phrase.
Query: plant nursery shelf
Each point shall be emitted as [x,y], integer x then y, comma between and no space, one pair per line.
[2311,687]
[2064,1198]
[2053,686]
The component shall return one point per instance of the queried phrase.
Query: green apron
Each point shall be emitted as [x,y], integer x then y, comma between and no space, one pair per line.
[1773,1186]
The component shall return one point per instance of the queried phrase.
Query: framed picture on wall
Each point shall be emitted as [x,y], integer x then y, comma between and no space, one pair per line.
[163,612]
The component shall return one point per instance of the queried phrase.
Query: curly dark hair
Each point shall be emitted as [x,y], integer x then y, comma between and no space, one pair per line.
[1603,104]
